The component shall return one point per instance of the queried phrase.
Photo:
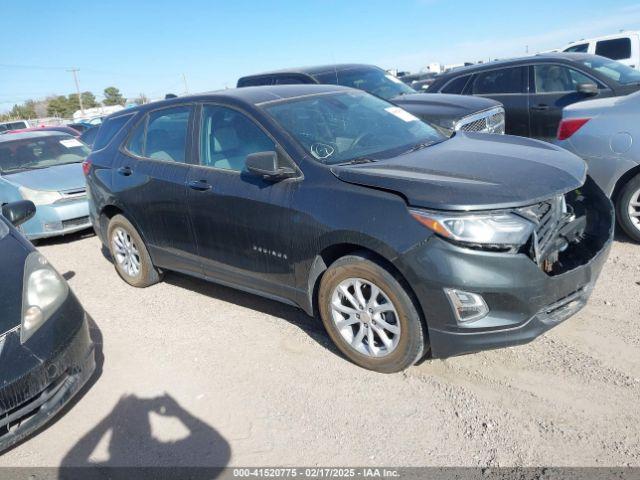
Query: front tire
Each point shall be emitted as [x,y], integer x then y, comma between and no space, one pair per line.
[370,316]
[628,208]
[130,255]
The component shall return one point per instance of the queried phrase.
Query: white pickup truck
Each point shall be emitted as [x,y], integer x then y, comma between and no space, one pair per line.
[623,47]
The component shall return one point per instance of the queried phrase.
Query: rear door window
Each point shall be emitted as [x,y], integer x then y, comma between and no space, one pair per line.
[108,129]
[504,80]
[166,137]
[162,135]
[456,85]
[615,49]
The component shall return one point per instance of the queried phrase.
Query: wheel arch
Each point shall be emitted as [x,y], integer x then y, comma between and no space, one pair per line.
[333,252]
[623,180]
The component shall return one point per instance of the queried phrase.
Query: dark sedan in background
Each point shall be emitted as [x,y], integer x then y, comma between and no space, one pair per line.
[46,354]
[448,113]
[535,89]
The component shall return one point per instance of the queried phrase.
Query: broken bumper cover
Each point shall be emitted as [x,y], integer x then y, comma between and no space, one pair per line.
[40,387]
[523,300]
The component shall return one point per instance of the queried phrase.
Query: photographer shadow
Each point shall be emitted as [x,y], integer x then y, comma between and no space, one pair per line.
[127,439]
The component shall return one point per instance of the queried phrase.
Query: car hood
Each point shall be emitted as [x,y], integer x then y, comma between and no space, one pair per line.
[58,178]
[473,172]
[443,106]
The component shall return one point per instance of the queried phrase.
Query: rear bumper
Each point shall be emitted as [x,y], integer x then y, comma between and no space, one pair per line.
[35,397]
[58,219]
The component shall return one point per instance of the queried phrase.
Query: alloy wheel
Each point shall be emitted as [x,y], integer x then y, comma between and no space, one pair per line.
[126,252]
[634,209]
[365,317]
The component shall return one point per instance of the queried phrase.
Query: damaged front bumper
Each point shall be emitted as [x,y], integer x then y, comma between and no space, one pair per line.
[524,298]
[41,376]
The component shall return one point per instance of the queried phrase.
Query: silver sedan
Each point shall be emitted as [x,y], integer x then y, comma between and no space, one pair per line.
[606,134]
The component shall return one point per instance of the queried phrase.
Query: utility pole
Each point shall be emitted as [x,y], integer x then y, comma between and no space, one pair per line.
[186,88]
[75,78]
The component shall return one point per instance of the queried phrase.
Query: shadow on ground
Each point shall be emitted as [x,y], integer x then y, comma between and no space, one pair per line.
[311,326]
[135,434]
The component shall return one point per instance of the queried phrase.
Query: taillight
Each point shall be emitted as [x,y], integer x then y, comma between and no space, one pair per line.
[570,126]
[86,166]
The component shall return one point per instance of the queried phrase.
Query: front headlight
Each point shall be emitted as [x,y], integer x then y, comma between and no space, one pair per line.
[39,197]
[43,292]
[502,230]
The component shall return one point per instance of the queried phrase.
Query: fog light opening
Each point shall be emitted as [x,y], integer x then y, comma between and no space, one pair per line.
[467,306]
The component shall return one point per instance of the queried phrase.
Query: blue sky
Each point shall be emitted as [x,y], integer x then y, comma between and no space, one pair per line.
[145,46]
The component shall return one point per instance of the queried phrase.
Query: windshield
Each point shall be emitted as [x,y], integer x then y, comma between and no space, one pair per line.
[40,152]
[614,70]
[349,126]
[372,80]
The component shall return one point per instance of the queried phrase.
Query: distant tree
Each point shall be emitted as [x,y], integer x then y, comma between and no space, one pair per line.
[26,110]
[73,105]
[141,100]
[59,107]
[112,96]
[89,100]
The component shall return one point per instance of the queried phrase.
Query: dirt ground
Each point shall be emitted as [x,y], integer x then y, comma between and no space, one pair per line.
[198,374]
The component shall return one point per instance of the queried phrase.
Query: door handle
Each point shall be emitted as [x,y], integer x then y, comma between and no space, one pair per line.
[126,171]
[199,185]
[540,107]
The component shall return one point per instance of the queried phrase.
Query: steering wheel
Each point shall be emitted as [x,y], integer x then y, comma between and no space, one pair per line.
[323,150]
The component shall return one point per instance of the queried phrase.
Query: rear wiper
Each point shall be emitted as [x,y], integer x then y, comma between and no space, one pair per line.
[357,161]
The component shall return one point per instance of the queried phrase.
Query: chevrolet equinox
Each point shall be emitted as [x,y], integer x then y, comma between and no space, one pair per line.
[403,241]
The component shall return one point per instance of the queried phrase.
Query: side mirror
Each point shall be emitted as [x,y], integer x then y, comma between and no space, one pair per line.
[19,212]
[265,164]
[589,89]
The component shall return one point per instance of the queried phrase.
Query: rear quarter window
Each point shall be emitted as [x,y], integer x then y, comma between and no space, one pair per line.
[615,49]
[108,129]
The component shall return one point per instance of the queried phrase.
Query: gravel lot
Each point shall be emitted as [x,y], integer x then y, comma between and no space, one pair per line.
[198,374]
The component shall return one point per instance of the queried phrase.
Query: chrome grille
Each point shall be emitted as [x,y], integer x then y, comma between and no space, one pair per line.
[489,121]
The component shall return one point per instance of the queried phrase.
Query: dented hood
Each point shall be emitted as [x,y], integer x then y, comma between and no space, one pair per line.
[473,172]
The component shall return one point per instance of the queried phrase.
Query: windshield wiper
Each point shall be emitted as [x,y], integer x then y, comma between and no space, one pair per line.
[357,161]
[420,146]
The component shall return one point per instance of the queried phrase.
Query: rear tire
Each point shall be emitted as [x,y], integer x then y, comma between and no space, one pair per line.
[378,328]
[130,255]
[627,205]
